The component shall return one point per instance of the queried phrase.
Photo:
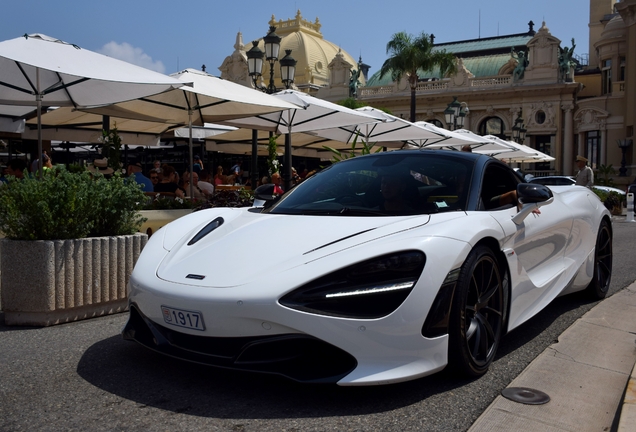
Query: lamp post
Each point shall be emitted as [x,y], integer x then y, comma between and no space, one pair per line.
[519,130]
[287,71]
[255,57]
[455,114]
[624,145]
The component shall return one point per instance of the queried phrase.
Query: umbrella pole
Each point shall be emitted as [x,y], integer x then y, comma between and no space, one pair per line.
[288,160]
[191,157]
[254,167]
[38,99]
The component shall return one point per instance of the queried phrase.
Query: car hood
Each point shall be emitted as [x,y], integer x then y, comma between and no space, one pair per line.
[252,245]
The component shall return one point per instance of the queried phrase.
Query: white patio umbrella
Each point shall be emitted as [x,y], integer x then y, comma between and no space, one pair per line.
[210,100]
[450,140]
[69,124]
[392,132]
[477,143]
[38,69]
[300,140]
[521,153]
[313,114]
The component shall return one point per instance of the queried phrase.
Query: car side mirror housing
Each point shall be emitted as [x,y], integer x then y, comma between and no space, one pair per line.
[533,193]
[531,196]
[264,196]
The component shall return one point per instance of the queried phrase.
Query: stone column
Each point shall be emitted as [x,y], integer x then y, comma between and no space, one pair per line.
[568,135]
[603,132]
[582,144]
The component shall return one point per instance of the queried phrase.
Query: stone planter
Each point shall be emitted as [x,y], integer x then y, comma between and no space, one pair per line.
[52,282]
[158,218]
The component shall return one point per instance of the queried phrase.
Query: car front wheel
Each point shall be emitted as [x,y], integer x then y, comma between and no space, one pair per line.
[477,314]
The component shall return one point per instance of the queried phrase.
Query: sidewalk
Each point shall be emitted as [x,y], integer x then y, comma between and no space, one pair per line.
[586,374]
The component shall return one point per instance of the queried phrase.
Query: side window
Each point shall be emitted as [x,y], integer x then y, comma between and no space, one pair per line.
[497,183]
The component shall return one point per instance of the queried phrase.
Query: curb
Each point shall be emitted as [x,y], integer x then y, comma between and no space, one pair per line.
[589,374]
[628,410]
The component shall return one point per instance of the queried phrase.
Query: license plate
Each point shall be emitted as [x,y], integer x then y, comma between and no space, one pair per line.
[183,318]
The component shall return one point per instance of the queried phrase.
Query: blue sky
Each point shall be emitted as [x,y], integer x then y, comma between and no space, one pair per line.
[170,36]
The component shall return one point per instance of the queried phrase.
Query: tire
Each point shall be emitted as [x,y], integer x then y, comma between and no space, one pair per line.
[478,313]
[599,286]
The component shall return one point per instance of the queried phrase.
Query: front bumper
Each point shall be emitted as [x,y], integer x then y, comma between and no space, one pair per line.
[299,357]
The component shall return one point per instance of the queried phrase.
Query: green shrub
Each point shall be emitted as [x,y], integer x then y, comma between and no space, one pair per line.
[229,198]
[161,202]
[66,205]
[612,200]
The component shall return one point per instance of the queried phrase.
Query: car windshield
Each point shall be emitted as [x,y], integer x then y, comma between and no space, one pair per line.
[385,184]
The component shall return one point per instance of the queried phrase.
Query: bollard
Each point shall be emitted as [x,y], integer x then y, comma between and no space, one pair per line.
[630,208]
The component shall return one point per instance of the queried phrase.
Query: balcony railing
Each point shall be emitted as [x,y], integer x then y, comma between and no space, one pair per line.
[499,81]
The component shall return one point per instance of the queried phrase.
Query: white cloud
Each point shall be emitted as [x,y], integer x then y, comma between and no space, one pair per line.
[130,54]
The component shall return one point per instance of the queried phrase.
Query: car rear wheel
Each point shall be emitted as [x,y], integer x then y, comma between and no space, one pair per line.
[599,286]
[477,315]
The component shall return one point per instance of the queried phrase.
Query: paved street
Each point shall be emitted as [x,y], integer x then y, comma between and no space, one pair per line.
[83,376]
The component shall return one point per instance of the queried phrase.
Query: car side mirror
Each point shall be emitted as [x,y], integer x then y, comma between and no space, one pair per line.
[531,196]
[264,196]
[533,193]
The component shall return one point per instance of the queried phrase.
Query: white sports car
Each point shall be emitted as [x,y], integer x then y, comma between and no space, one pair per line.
[381,268]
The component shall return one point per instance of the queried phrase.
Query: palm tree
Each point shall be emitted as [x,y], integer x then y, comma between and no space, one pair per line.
[409,54]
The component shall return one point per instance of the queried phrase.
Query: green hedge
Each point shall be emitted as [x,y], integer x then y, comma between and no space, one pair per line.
[66,205]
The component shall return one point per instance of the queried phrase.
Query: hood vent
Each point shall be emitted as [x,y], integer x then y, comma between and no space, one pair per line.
[206,230]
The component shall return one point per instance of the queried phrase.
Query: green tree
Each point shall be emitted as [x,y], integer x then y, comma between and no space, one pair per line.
[409,54]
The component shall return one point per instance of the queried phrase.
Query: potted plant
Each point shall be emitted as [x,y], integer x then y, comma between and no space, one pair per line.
[71,243]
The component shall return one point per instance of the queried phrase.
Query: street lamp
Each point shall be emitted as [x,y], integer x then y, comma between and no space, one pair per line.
[455,114]
[519,130]
[623,144]
[287,71]
[272,48]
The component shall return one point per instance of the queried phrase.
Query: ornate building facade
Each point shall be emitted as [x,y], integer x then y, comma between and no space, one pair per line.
[568,105]
[320,64]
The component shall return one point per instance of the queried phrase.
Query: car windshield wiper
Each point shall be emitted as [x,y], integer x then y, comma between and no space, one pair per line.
[348,211]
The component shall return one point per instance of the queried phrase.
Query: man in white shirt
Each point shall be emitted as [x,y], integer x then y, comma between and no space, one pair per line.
[204,182]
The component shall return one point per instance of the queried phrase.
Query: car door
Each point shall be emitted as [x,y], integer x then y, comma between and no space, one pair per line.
[534,249]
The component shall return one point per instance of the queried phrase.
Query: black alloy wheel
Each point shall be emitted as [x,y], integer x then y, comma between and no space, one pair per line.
[599,286]
[477,315]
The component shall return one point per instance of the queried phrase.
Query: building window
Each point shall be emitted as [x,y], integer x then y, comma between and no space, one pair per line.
[492,126]
[593,141]
[621,69]
[606,72]
[543,143]
[540,117]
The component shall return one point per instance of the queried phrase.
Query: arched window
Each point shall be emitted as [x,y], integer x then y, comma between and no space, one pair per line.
[436,123]
[492,126]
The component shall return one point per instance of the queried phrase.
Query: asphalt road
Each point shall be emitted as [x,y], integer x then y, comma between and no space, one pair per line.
[83,376]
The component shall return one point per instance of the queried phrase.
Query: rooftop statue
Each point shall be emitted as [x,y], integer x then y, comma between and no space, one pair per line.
[354,82]
[565,61]
[522,62]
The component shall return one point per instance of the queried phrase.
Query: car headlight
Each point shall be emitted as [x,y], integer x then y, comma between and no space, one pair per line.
[369,289]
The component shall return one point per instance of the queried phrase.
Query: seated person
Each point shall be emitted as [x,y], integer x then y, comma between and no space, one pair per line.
[169,182]
[16,168]
[393,188]
[197,192]
[205,182]
[134,170]
[276,179]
